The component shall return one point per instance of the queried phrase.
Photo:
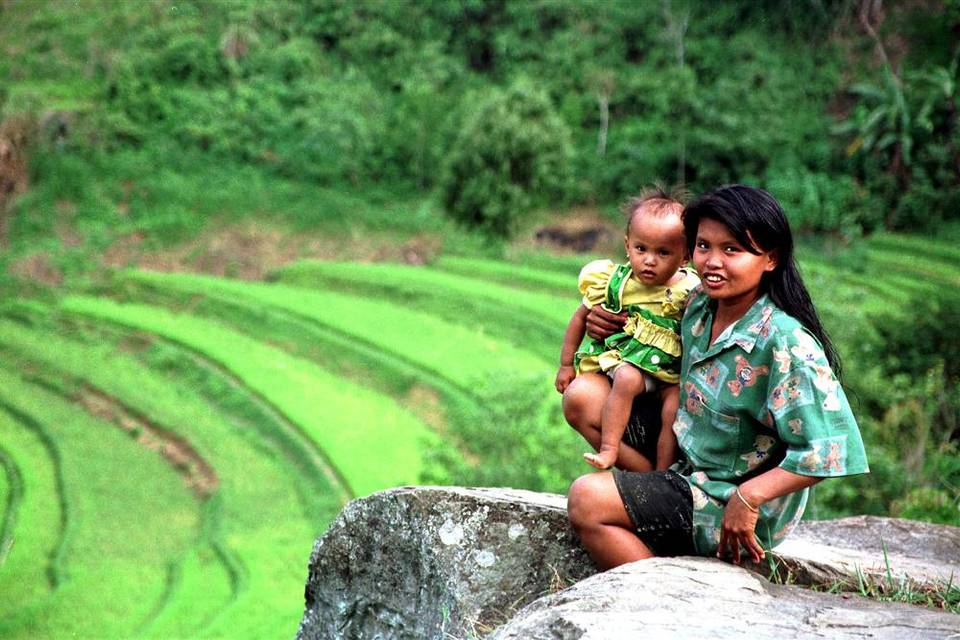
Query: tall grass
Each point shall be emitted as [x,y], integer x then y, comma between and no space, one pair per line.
[244,562]
[459,354]
[534,321]
[130,517]
[372,442]
[32,531]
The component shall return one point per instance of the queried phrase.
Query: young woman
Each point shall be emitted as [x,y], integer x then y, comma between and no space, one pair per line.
[762,415]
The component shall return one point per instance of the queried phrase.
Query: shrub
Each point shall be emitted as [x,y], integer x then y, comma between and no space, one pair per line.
[926,206]
[822,202]
[927,503]
[518,439]
[512,153]
[916,348]
[918,391]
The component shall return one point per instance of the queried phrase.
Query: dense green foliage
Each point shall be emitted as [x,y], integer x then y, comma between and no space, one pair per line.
[481,96]
[233,137]
[512,149]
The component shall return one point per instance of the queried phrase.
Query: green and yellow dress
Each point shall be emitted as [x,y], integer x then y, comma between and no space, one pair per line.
[651,338]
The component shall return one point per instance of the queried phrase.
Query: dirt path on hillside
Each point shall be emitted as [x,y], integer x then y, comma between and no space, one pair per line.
[196,472]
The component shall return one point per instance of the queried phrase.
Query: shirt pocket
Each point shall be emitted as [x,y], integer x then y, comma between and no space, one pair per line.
[718,445]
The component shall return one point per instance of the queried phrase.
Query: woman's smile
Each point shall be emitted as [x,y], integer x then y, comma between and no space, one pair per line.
[712,280]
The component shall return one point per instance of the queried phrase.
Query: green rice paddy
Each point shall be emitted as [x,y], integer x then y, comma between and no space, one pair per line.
[171,444]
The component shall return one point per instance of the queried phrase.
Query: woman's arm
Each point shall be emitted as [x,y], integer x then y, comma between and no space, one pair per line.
[601,324]
[571,340]
[740,516]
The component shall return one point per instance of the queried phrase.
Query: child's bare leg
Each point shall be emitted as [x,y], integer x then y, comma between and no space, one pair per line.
[667,442]
[628,458]
[583,403]
[628,382]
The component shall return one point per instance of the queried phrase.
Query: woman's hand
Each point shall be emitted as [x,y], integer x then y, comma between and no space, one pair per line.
[739,528]
[602,324]
[565,375]
[740,520]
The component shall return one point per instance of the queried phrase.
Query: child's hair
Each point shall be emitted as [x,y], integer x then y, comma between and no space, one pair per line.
[657,199]
[757,221]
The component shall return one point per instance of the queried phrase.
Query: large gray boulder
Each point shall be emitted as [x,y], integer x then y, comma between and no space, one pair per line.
[907,553]
[437,563]
[706,598]
[449,562]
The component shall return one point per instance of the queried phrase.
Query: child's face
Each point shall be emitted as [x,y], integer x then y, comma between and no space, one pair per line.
[656,246]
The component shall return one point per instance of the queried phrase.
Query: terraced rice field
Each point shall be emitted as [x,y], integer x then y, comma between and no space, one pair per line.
[172,444]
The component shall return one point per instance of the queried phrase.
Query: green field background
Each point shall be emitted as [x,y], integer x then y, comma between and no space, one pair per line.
[236,293]
[333,381]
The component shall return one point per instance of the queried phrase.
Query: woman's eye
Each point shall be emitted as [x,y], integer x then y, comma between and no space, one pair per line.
[701,244]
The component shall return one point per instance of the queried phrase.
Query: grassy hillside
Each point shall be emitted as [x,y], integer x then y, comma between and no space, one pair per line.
[232,299]
[251,411]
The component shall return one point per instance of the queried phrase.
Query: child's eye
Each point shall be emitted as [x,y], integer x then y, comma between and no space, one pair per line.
[665,254]
[731,249]
[701,244]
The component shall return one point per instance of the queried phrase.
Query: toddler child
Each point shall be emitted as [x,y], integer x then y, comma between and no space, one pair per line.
[652,287]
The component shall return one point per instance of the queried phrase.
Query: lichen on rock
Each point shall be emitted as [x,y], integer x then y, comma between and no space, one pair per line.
[437,562]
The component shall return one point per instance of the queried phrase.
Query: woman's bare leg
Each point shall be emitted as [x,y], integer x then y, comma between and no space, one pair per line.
[583,403]
[667,441]
[598,516]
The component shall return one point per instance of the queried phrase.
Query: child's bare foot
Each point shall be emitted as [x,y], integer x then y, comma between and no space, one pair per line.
[603,460]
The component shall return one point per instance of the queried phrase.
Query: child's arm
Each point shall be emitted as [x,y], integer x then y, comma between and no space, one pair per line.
[571,340]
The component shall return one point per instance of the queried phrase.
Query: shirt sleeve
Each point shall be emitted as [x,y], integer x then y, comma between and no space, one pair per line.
[810,410]
[593,282]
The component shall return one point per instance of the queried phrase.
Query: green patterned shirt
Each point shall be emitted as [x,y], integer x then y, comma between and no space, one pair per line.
[761,396]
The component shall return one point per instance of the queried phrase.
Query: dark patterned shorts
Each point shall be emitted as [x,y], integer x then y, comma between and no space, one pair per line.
[643,428]
[660,506]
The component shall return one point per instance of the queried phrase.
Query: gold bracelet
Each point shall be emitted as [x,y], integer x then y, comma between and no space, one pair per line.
[744,501]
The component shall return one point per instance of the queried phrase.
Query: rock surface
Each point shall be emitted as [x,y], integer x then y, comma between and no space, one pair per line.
[449,562]
[827,551]
[706,598]
[437,563]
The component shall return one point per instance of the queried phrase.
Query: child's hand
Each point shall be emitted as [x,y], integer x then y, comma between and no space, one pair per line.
[565,375]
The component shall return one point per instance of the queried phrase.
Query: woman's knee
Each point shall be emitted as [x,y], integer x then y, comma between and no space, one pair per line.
[585,494]
[582,399]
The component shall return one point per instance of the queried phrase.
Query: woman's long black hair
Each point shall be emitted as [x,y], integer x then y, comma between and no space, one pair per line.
[756,220]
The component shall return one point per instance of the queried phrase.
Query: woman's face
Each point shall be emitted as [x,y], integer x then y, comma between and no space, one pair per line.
[730,274]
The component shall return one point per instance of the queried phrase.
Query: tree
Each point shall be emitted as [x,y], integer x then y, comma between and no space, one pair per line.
[512,153]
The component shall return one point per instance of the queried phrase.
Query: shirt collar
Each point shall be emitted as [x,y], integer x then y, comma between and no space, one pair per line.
[745,332]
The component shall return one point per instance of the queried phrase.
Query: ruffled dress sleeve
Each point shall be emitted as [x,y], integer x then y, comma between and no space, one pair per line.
[593,281]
